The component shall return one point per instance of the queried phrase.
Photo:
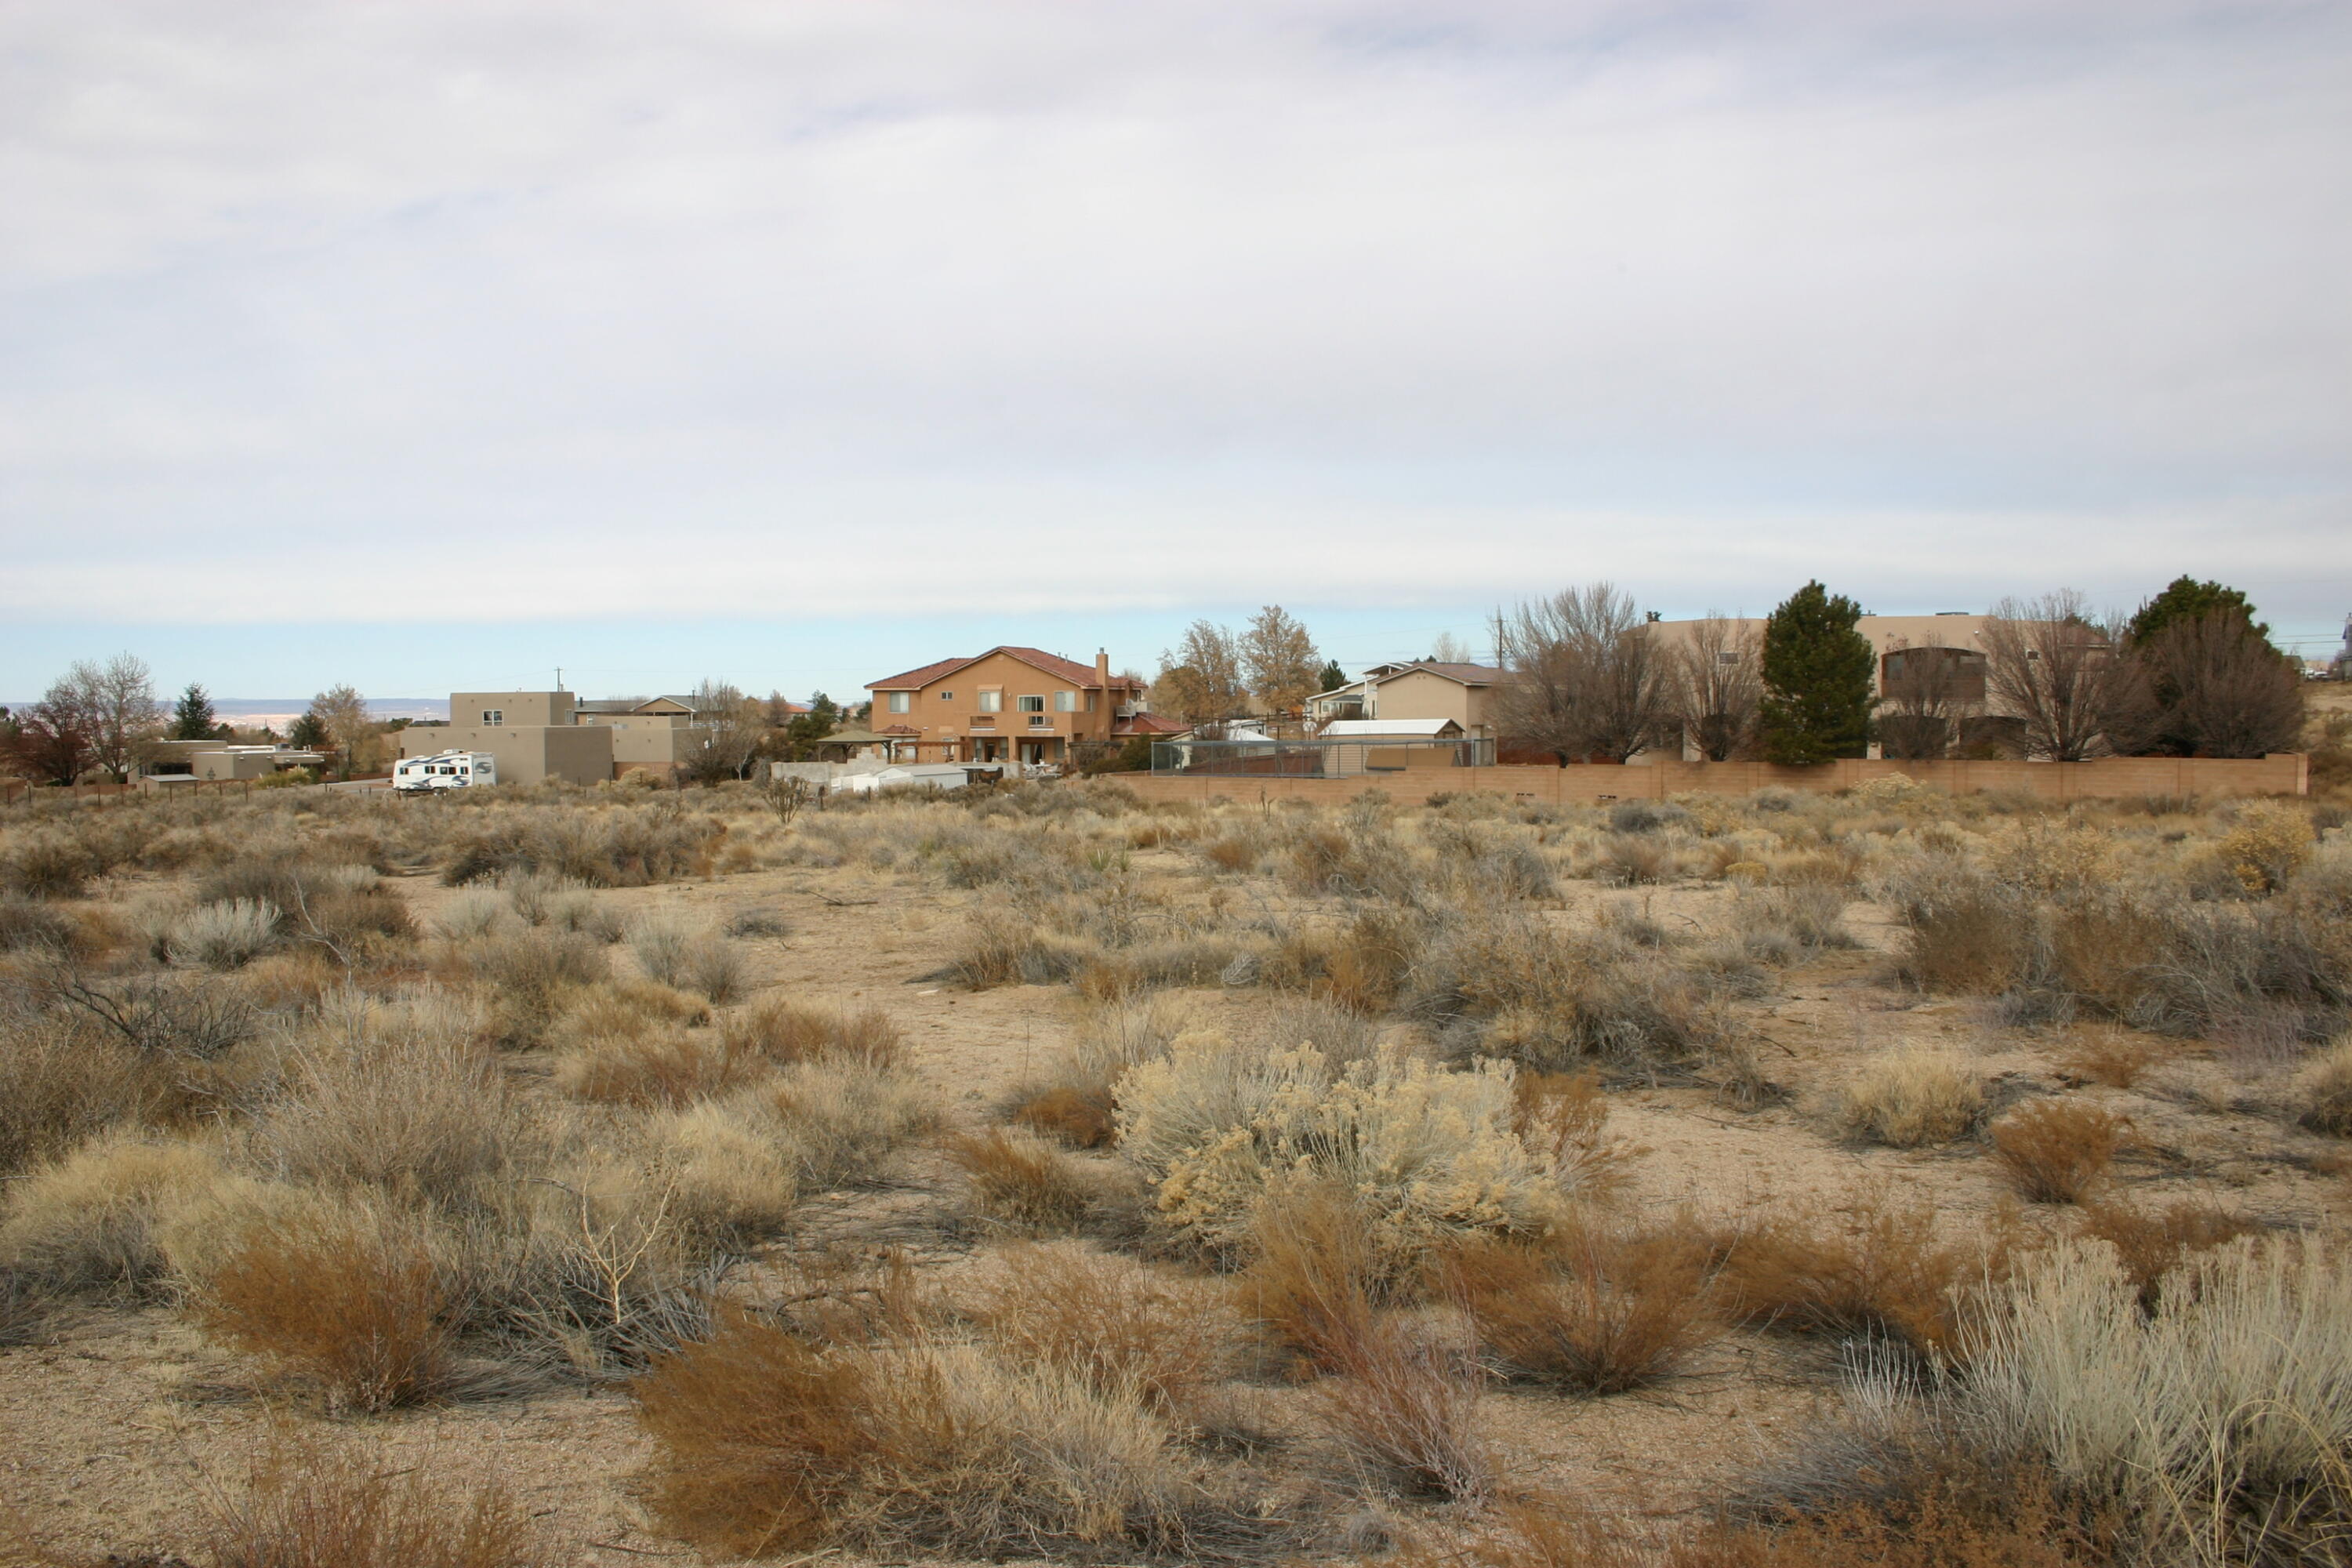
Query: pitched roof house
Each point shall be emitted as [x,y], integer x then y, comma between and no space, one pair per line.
[1008,705]
[1414,690]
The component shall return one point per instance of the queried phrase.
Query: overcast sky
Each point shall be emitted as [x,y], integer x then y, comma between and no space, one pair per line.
[434,344]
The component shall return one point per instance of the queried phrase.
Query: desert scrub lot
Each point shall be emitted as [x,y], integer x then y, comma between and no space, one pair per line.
[564,1176]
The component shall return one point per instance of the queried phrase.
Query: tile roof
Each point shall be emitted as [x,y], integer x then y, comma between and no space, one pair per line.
[1079,675]
[1147,724]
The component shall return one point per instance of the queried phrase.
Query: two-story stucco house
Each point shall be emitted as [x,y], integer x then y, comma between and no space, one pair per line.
[1019,705]
[1414,690]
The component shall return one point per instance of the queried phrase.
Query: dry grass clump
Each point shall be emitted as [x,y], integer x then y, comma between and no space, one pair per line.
[1433,1152]
[1021,1182]
[1562,1117]
[223,935]
[350,1300]
[731,1175]
[2267,845]
[471,914]
[2141,956]
[1084,1118]
[1782,924]
[563,904]
[1968,934]
[28,926]
[93,1221]
[624,1008]
[1596,1308]
[618,843]
[2055,1150]
[1075,1102]
[48,865]
[337,905]
[1317,1273]
[1233,852]
[25,1308]
[660,1066]
[1968,1520]
[1906,1099]
[844,1120]
[400,1094]
[765,1443]
[1874,1269]
[1402,1408]
[782,1031]
[2324,1090]
[307,1504]
[676,952]
[2107,1055]
[529,978]
[2218,1424]
[2150,1243]
[60,1084]
[1505,982]
[1001,947]
[1112,1320]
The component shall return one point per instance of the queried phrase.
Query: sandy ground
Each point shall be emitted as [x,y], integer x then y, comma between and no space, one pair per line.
[111,1434]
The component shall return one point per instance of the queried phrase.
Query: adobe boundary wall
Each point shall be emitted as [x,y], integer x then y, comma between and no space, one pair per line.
[1584,782]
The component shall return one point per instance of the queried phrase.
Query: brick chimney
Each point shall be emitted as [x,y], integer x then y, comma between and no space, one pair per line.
[1102,667]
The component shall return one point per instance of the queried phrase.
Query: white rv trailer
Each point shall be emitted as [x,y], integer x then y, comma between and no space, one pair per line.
[449,770]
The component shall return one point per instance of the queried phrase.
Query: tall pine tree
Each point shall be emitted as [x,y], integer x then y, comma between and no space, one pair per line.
[191,717]
[1817,679]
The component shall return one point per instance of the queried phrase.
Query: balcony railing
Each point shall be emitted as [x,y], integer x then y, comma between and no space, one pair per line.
[1041,720]
[983,720]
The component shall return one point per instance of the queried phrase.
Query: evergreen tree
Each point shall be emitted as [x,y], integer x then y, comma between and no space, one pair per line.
[1334,677]
[193,718]
[1817,679]
[822,719]
[2186,599]
[308,732]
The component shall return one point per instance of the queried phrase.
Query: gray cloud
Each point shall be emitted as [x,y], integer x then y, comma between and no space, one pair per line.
[1402,303]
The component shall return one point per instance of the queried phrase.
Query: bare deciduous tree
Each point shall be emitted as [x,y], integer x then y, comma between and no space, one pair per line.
[1280,662]
[1927,694]
[1451,650]
[45,741]
[2213,687]
[732,726]
[112,707]
[1200,681]
[2059,674]
[1719,687]
[342,713]
[1587,677]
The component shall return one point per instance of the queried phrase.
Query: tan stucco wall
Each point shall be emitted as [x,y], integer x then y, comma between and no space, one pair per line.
[654,743]
[520,709]
[578,753]
[1418,694]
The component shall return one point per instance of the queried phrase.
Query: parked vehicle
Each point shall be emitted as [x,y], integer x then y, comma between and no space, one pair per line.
[448,770]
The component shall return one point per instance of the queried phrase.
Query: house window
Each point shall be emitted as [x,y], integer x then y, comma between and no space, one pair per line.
[1065,702]
[1090,701]
[898,701]
[494,716]
[1040,721]
[1724,655]
[991,700]
[947,696]
[1032,704]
